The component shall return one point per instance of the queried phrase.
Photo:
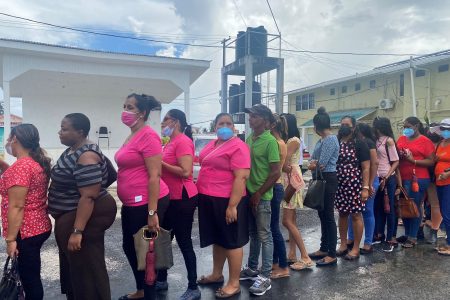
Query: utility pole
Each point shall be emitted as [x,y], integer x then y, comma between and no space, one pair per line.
[224,84]
[413,90]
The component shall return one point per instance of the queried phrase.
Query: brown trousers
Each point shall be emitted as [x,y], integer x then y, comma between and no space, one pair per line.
[83,273]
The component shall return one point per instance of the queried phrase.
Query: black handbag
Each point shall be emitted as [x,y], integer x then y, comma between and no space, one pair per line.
[315,195]
[10,286]
[112,173]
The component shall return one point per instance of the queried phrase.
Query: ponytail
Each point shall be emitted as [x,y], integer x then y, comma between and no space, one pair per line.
[40,156]
[181,117]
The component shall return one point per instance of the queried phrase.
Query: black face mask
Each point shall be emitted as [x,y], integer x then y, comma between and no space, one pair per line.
[345,130]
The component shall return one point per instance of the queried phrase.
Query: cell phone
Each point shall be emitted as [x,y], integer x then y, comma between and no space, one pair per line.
[447,170]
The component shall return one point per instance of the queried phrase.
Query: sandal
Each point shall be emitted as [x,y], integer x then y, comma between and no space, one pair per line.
[340,253]
[290,261]
[351,257]
[222,295]
[279,275]
[301,265]
[409,244]
[204,280]
[445,251]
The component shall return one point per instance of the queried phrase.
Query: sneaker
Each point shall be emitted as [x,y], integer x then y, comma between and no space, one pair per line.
[387,247]
[260,286]
[248,274]
[161,286]
[402,239]
[191,294]
[432,239]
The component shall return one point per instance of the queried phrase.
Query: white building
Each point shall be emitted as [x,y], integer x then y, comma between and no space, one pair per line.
[55,80]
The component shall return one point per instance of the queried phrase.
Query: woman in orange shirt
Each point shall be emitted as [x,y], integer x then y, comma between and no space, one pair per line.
[442,172]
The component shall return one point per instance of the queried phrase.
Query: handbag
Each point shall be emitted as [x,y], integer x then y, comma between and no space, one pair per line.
[405,207]
[10,286]
[162,245]
[315,195]
[112,173]
[295,180]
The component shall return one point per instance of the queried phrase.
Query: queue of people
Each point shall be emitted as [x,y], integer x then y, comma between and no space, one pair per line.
[241,190]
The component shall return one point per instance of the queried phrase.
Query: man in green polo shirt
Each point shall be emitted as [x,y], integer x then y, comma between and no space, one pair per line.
[264,172]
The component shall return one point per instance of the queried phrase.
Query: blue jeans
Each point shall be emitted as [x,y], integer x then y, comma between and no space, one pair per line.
[261,235]
[368,216]
[444,202]
[279,246]
[412,225]
[381,218]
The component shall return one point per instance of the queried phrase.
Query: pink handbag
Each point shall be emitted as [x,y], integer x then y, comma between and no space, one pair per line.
[296,181]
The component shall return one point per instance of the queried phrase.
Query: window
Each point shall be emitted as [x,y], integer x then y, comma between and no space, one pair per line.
[312,101]
[332,91]
[357,86]
[344,89]
[402,85]
[305,102]
[298,103]
[420,73]
[443,68]
[372,84]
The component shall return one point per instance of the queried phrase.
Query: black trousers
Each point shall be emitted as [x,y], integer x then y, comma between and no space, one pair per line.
[83,273]
[327,221]
[179,219]
[133,219]
[29,261]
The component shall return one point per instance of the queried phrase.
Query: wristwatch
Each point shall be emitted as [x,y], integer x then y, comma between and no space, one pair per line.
[152,212]
[77,231]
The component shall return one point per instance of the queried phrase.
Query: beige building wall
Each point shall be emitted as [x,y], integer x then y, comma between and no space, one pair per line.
[385,86]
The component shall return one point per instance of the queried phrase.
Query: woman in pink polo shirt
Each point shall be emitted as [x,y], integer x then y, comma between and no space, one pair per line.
[144,195]
[222,210]
[177,165]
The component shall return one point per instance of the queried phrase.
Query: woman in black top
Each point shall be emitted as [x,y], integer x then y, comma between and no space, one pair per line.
[353,170]
[83,210]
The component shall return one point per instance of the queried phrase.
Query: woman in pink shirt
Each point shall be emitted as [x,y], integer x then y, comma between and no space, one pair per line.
[222,212]
[177,165]
[144,195]
[23,187]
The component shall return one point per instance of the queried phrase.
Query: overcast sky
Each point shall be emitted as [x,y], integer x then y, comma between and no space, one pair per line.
[382,26]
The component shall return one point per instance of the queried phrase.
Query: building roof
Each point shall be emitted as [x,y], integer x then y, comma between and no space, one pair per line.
[385,69]
[336,116]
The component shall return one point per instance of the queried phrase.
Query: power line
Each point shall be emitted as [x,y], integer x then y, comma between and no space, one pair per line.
[242,17]
[111,35]
[278,29]
[200,45]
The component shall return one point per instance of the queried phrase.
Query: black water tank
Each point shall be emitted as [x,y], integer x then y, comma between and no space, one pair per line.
[256,97]
[241,42]
[233,96]
[258,40]
[242,96]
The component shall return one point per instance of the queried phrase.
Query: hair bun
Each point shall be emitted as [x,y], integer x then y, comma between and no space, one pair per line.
[321,110]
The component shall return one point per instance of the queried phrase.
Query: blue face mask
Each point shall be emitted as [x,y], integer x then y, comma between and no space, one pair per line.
[167,131]
[445,134]
[408,132]
[224,133]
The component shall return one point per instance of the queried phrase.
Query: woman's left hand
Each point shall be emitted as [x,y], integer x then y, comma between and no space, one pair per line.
[11,249]
[364,195]
[231,214]
[444,176]
[75,242]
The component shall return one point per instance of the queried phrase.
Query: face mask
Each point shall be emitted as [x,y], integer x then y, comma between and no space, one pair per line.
[167,131]
[224,133]
[129,118]
[408,132]
[8,149]
[345,131]
[445,134]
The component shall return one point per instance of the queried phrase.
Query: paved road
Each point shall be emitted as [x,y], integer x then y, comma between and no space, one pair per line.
[417,273]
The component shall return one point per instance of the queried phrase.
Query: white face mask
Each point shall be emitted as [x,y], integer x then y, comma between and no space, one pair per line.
[8,149]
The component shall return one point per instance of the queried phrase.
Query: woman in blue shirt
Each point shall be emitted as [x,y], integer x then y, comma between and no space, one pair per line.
[325,157]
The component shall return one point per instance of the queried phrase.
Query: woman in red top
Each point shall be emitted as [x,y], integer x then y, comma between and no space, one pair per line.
[23,187]
[442,172]
[177,165]
[416,155]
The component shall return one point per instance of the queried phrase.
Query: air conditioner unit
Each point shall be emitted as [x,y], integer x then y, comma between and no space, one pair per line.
[386,104]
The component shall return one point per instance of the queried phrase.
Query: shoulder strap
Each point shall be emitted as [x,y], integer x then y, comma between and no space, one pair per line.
[386,146]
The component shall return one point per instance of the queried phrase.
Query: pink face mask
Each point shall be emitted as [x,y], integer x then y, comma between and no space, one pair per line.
[129,118]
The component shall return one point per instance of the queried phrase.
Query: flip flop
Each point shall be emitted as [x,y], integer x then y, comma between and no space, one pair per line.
[301,265]
[351,257]
[340,253]
[205,281]
[444,251]
[277,276]
[222,295]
